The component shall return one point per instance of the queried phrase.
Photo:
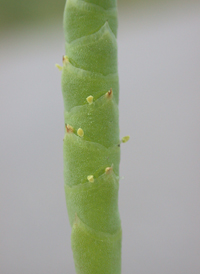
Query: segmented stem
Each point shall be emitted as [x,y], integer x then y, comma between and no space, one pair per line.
[91,142]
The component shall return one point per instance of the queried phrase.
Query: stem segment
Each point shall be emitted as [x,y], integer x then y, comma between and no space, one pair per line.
[91,142]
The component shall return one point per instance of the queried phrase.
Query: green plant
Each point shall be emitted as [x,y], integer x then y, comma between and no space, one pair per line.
[91,142]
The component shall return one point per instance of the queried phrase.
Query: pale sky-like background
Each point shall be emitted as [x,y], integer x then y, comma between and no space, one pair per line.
[159,69]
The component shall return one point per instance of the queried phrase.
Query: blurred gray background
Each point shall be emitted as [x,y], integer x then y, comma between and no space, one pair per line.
[159,68]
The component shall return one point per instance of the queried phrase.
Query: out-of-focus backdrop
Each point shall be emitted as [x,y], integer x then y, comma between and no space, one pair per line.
[159,69]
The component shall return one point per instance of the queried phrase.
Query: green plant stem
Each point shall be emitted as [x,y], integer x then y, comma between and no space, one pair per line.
[91,142]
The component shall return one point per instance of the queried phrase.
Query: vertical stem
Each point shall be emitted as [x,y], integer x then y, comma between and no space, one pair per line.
[91,142]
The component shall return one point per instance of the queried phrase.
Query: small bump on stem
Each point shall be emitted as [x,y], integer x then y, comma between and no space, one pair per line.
[109,94]
[125,139]
[80,132]
[69,128]
[90,99]
[90,178]
[65,59]
[108,170]
[58,66]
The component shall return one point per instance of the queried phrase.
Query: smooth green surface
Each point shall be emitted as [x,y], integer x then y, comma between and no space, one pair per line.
[90,201]
[90,19]
[77,89]
[90,69]
[99,120]
[95,252]
[104,42]
[83,158]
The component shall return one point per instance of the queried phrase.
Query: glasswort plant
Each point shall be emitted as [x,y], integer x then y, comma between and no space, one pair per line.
[90,88]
